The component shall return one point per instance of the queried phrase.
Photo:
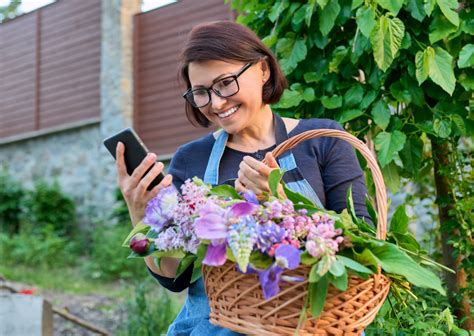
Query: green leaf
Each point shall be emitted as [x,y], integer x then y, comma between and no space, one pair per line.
[429,6]
[411,155]
[387,145]
[365,18]
[184,264]
[371,210]
[226,191]
[313,273]
[354,265]
[274,180]
[260,261]
[422,62]
[416,9]
[327,17]
[442,127]
[178,254]
[337,268]
[466,56]
[299,16]
[318,292]
[406,241]
[391,177]
[309,12]
[290,98]
[277,9]
[307,259]
[311,77]
[381,114]
[340,282]
[332,102]
[400,93]
[337,57]
[440,28]
[356,3]
[350,205]
[458,122]
[386,38]
[308,94]
[347,115]
[368,99]
[393,6]
[270,40]
[366,258]
[139,228]
[197,273]
[354,95]
[322,3]
[448,8]
[399,222]
[393,260]
[467,81]
[292,51]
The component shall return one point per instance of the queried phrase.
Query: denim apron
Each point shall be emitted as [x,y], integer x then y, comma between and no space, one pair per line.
[193,319]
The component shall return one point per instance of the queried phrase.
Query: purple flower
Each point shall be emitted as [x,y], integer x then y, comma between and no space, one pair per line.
[215,255]
[212,222]
[286,256]
[159,211]
[269,234]
[250,197]
[270,281]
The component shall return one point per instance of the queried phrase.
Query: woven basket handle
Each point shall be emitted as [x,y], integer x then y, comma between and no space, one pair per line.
[380,191]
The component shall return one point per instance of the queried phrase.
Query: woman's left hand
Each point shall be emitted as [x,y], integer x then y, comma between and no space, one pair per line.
[253,174]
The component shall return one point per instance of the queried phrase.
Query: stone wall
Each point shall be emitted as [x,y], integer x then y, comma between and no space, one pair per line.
[75,159]
[73,154]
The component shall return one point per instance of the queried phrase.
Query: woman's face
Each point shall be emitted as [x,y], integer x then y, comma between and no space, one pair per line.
[234,114]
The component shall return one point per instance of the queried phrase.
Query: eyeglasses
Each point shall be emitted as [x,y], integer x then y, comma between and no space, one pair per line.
[224,87]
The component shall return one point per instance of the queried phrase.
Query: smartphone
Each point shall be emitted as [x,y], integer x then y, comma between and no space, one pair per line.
[135,152]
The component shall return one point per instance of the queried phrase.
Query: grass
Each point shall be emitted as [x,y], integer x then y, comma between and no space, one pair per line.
[65,279]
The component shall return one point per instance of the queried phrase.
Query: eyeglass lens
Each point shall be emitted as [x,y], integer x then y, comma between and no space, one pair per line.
[225,87]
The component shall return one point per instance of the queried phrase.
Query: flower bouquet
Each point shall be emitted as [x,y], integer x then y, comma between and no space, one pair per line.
[277,264]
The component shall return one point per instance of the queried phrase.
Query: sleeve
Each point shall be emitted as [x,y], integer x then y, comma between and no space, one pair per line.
[181,283]
[341,170]
[178,169]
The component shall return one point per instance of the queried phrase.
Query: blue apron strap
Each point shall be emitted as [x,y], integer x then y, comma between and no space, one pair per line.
[293,177]
[211,176]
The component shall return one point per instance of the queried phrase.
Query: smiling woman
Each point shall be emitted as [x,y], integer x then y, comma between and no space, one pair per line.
[231,79]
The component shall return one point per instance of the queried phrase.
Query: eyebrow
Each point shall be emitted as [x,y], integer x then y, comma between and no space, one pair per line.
[218,78]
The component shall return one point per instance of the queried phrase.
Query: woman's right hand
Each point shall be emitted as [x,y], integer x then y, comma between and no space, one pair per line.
[134,187]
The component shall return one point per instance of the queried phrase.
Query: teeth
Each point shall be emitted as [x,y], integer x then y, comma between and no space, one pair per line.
[228,112]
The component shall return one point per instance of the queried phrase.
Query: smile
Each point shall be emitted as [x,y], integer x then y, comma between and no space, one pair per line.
[228,112]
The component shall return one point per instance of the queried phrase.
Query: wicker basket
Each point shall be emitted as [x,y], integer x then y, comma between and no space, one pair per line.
[237,303]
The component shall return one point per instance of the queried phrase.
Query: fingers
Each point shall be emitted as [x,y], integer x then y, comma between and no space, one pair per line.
[147,162]
[260,167]
[120,161]
[150,176]
[270,159]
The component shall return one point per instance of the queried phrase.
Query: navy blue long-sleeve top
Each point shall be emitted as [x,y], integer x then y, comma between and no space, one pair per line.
[328,164]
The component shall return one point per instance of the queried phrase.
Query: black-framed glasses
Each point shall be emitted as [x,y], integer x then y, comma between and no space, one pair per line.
[224,87]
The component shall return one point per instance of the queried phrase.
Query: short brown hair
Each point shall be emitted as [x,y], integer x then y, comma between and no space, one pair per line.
[224,41]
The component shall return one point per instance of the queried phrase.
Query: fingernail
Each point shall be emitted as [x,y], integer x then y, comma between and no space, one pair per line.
[151,156]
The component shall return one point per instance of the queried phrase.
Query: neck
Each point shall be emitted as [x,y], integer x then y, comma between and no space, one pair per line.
[258,135]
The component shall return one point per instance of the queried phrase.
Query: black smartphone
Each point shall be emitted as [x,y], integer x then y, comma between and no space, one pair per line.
[135,151]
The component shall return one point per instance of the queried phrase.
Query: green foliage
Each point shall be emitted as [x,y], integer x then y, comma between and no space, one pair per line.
[9,11]
[37,249]
[149,314]
[11,196]
[429,314]
[47,206]
[398,72]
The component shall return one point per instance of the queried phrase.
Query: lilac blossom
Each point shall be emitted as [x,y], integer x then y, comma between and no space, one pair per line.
[216,254]
[159,211]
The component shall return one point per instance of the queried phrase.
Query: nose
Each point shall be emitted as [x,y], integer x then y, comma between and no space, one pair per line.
[216,101]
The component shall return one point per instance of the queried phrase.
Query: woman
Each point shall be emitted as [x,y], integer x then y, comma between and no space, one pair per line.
[232,77]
